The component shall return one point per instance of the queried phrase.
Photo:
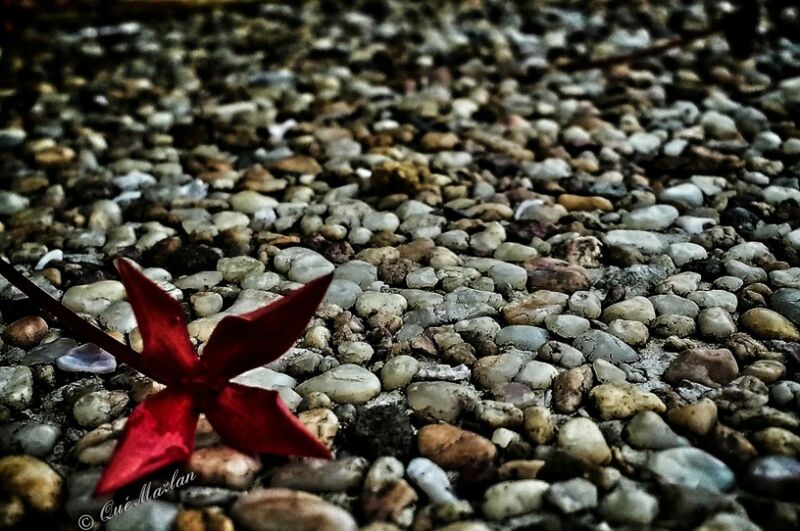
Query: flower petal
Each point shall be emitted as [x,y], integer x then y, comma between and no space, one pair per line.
[167,350]
[242,342]
[256,420]
[159,431]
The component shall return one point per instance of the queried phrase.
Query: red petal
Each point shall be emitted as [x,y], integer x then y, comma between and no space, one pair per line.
[242,342]
[256,420]
[167,350]
[159,431]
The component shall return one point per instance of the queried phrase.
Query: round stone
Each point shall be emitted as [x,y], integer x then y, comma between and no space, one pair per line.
[348,384]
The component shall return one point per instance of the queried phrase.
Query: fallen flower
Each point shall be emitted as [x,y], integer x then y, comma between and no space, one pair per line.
[160,431]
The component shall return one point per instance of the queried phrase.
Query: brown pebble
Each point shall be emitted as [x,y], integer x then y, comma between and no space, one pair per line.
[453,448]
[26,332]
[202,520]
[579,202]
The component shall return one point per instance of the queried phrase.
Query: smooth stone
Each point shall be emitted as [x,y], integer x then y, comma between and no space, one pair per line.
[513,498]
[633,309]
[596,344]
[93,299]
[97,407]
[16,386]
[715,323]
[573,495]
[537,374]
[32,480]
[452,448]
[372,302]
[710,367]
[87,358]
[654,217]
[673,325]
[523,337]
[398,372]
[786,301]
[649,431]
[443,401]
[281,509]
[686,194]
[715,298]
[302,265]
[49,352]
[320,475]
[692,467]
[617,400]
[347,384]
[26,332]
[29,437]
[237,268]
[775,476]
[567,326]
[684,253]
[357,271]
[727,522]
[582,438]
[431,479]
[643,241]
[153,515]
[206,303]
[768,324]
[585,304]
[607,372]
[629,506]
[669,304]
[343,293]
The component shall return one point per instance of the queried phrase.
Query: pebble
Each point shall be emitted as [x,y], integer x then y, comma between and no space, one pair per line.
[301,264]
[692,467]
[629,506]
[443,401]
[26,332]
[775,475]
[16,387]
[514,498]
[621,400]
[596,344]
[649,431]
[573,496]
[29,437]
[224,466]
[93,299]
[277,509]
[97,407]
[454,448]
[643,241]
[156,515]
[431,479]
[318,475]
[715,323]
[581,438]
[87,358]
[398,372]
[767,324]
[655,217]
[347,384]
[710,367]
[33,481]
[522,337]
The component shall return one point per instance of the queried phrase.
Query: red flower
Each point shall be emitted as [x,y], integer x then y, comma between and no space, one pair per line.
[160,430]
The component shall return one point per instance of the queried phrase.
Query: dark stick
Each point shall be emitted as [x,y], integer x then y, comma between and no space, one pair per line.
[70,319]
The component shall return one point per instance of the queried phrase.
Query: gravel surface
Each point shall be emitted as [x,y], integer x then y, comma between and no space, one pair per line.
[562,300]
